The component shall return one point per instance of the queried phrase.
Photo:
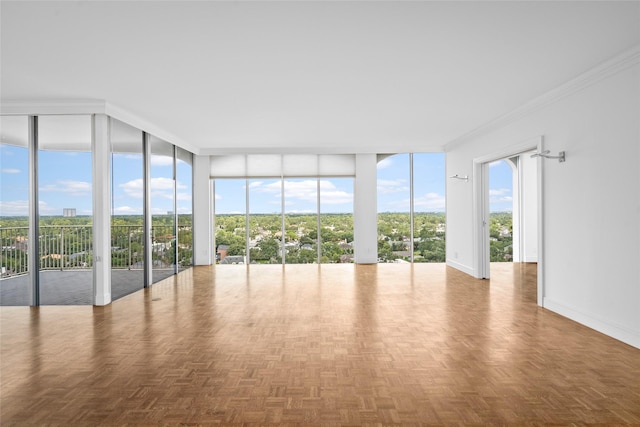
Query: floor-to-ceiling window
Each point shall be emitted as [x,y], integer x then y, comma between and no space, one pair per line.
[336,220]
[65,209]
[265,221]
[411,204]
[301,220]
[162,193]
[127,209]
[230,206]
[50,159]
[394,205]
[15,280]
[429,220]
[303,216]
[184,203]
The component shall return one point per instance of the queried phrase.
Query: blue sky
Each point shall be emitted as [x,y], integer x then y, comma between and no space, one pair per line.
[500,187]
[65,182]
[301,195]
[428,182]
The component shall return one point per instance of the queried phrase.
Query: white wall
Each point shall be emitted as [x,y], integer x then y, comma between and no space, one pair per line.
[591,203]
[365,209]
[202,215]
[529,212]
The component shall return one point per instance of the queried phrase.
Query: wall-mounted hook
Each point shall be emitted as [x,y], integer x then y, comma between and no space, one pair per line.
[462,178]
[545,155]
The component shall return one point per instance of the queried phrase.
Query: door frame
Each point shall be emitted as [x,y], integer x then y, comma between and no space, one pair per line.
[481,208]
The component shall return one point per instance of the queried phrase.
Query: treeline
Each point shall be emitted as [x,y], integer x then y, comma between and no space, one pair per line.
[501,237]
[300,237]
[394,237]
[23,221]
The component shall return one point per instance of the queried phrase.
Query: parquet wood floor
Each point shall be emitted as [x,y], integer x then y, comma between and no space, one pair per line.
[389,344]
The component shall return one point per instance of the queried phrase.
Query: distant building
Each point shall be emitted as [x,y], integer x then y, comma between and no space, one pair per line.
[69,212]
[233,259]
[221,253]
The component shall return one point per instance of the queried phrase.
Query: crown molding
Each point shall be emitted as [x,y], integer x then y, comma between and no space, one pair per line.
[136,121]
[608,68]
[25,107]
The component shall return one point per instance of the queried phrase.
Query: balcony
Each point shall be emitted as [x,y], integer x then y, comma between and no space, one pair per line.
[66,262]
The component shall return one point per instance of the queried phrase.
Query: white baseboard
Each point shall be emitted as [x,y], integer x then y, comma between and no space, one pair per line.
[465,269]
[618,332]
[530,259]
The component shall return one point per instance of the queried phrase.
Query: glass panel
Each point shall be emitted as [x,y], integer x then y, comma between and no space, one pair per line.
[265,221]
[429,207]
[127,210]
[15,281]
[500,212]
[301,220]
[162,188]
[336,220]
[184,183]
[230,220]
[394,204]
[65,208]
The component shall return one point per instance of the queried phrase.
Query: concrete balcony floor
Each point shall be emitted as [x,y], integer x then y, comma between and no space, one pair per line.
[72,287]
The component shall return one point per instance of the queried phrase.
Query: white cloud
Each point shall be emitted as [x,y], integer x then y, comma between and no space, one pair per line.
[71,188]
[160,187]
[499,192]
[384,163]
[430,202]
[389,186]
[502,199]
[133,188]
[184,197]
[9,170]
[14,207]
[331,195]
[495,163]
[217,196]
[306,191]
[255,184]
[161,183]
[159,211]
[45,209]
[127,210]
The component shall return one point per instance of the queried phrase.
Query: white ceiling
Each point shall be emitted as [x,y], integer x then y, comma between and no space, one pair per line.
[307,76]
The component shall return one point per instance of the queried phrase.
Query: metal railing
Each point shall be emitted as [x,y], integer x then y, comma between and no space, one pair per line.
[70,247]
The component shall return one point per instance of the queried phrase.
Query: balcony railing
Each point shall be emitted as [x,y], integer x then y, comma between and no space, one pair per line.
[70,247]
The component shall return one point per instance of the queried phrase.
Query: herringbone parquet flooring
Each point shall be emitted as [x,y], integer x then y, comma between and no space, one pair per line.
[389,344]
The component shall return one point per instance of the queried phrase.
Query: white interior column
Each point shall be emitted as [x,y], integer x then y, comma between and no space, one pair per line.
[202,214]
[101,158]
[365,210]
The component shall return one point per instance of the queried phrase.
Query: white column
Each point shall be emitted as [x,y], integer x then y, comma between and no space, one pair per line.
[101,151]
[365,210]
[202,214]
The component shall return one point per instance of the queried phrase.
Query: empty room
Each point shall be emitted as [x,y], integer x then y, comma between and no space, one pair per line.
[320,213]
